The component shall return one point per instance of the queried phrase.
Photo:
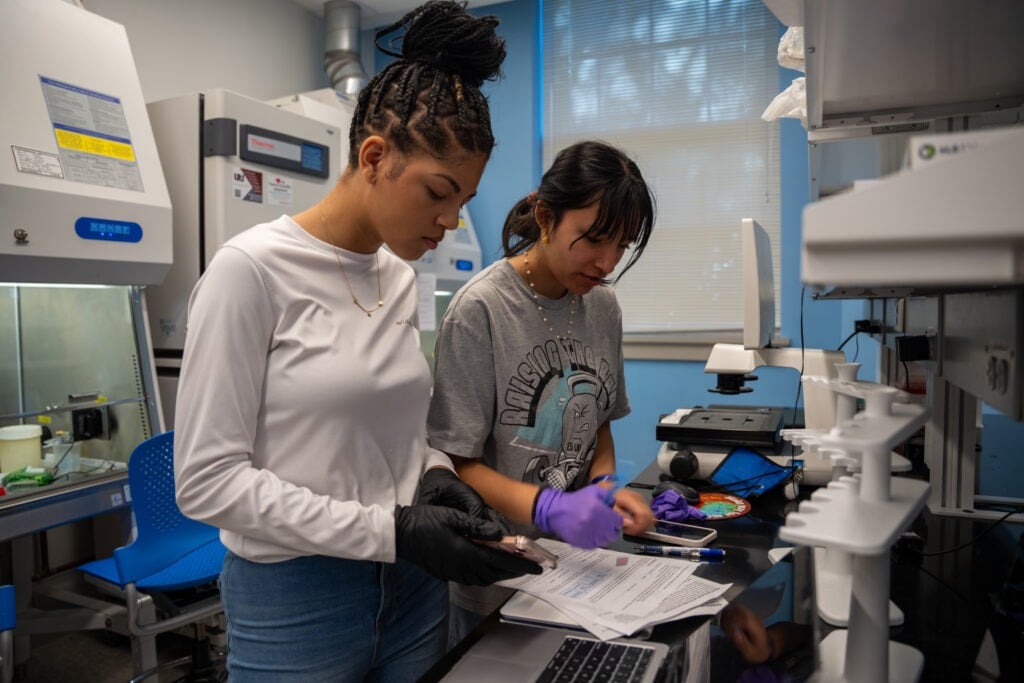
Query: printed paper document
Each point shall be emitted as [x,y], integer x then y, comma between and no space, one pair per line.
[614,594]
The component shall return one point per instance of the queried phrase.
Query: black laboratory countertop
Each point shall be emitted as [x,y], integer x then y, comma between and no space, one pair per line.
[952,602]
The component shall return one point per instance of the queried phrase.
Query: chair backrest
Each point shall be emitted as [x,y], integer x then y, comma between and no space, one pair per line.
[7,608]
[163,534]
[7,619]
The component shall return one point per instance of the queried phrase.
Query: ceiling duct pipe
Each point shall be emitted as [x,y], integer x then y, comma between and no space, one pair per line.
[341,47]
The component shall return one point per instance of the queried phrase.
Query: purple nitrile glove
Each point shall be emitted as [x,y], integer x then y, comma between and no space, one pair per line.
[670,506]
[583,518]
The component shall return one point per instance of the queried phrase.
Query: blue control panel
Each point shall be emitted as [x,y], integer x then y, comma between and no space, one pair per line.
[108,229]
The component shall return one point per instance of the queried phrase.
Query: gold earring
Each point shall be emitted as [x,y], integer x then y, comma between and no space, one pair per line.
[544,237]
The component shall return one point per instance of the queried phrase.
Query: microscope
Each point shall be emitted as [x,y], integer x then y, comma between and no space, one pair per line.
[734,364]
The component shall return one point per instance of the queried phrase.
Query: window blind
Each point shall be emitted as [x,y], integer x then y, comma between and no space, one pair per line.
[680,86]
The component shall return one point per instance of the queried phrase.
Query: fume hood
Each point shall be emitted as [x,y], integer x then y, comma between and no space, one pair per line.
[85,223]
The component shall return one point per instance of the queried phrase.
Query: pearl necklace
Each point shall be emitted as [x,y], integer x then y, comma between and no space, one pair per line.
[540,309]
[380,298]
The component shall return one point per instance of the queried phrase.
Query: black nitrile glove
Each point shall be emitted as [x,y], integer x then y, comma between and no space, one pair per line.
[438,539]
[441,486]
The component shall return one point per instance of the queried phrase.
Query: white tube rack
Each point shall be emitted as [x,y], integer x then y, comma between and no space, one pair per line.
[855,519]
[833,568]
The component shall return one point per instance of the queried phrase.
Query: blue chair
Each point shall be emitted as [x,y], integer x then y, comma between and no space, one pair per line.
[7,614]
[168,573]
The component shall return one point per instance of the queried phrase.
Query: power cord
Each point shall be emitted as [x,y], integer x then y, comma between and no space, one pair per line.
[974,540]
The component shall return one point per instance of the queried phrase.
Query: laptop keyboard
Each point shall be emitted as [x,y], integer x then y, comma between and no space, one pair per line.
[580,659]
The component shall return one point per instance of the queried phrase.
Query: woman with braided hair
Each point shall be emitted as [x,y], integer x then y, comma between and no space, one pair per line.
[302,401]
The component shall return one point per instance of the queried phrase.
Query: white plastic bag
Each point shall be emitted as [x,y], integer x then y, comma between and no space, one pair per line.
[791,49]
[790,103]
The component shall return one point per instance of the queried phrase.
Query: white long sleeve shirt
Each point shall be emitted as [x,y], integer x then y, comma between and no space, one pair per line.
[300,420]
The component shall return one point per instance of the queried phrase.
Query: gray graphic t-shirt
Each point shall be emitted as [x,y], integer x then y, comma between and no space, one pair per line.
[525,395]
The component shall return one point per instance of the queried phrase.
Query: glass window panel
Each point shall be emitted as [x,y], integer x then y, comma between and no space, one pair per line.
[66,348]
[680,85]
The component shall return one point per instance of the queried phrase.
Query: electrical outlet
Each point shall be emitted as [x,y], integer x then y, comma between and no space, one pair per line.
[869,326]
[90,423]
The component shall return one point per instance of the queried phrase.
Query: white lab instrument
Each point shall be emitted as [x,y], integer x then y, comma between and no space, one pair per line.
[734,362]
[231,162]
[82,191]
[85,208]
[861,516]
[945,241]
[329,106]
[938,251]
[958,223]
[443,270]
[85,222]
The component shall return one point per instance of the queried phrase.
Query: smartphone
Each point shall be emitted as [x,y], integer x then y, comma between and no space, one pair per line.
[524,546]
[676,533]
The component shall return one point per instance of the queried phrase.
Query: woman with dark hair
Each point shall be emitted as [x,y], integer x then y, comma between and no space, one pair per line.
[303,392]
[528,363]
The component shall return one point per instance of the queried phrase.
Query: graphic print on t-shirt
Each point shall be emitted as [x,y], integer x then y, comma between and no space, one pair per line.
[559,397]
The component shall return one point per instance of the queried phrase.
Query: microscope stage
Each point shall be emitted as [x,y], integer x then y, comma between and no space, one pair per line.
[725,426]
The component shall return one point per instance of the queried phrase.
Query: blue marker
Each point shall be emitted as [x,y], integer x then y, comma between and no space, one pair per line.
[674,551]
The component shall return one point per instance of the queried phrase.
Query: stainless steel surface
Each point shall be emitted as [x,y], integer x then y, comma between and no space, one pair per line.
[59,343]
[48,508]
[876,66]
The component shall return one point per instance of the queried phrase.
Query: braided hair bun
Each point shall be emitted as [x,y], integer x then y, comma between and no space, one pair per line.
[442,34]
[429,99]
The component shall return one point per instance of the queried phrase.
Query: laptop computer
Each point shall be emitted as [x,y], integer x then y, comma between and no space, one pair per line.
[512,653]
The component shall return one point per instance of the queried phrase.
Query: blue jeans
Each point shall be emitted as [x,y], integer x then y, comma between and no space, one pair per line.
[461,623]
[329,619]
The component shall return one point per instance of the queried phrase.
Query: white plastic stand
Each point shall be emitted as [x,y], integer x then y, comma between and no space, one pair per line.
[833,568]
[862,515]
[905,663]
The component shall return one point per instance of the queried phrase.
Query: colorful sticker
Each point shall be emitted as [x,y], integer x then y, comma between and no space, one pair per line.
[92,134]
[247,185]
[723,505]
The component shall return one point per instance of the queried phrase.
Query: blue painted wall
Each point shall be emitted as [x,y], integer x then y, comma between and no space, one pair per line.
[515,167]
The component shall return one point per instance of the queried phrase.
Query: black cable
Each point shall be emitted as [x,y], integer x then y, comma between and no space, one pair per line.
[852,335]
[938,580]
[973,540]
[906,373]
[857,352]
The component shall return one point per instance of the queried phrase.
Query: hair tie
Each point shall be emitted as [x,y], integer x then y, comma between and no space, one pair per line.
[531,198]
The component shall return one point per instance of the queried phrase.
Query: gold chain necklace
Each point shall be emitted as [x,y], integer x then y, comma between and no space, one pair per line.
[540,309]
[380,296]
